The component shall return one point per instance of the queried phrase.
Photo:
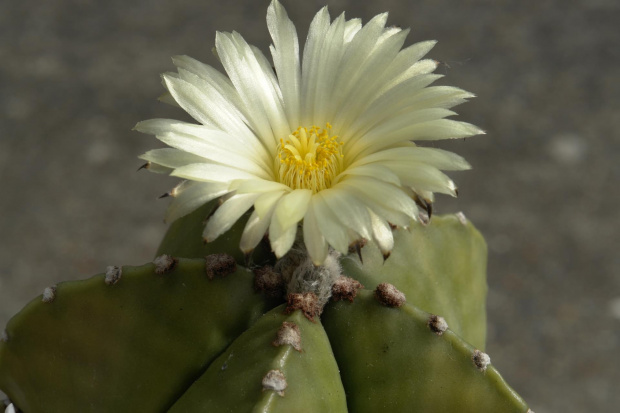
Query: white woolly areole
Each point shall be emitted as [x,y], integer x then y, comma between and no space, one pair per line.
[163,263]
[437,324]
[481,360]
[302,276]
[49,294]
[276,381]
[113,274]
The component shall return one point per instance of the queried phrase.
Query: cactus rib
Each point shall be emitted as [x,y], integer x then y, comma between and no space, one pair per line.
[135,345]
[440,267]
[261,372]
[390,359]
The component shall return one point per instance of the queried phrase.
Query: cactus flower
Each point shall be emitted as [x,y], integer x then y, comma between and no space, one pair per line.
[325,137]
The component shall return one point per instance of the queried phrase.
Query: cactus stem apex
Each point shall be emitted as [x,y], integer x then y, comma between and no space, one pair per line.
[220,265]
[49,294]
[164,263]
[288,334]
[308,303]
[269,281]
[462,218]
[276,381]
[389,296]
[4,337]
[302,276]
[481,360]
[113,274]
[437,324]
[345,288]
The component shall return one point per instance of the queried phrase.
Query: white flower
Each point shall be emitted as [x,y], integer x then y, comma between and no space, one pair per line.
[326,139]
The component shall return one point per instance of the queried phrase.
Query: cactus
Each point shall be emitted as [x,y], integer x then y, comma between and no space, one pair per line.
[184,335]
[324,285]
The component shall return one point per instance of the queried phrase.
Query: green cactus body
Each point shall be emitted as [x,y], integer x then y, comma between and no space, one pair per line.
[184,238]
[233,382]
[180,340]
[390,360]
[132,346]
[441,268]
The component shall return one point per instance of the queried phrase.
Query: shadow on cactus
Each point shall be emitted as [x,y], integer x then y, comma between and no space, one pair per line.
[302,271]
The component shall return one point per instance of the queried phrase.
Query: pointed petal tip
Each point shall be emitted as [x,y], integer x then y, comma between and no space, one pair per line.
[144,166]
[247,257]
[386,256]
[138,126]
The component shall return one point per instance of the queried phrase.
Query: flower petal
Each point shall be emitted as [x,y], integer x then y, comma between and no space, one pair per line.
[395,130]
[203,138]
[422,176]
[431,130]
[286,59]
[384,199]
[355,55]
[254,87]
[266,201]
[204,172]
[327,67]
[379,172]
[227,214]
[405,66]
[388,105]
[351,28]
[221,111]
[329,225]
[314,240]
[352,214]
[438,158]
[245,186]
[191,195]
[292,207]
[255,230]
[281,238]
[356,98]
[312,52]
[171,158]
[382,234]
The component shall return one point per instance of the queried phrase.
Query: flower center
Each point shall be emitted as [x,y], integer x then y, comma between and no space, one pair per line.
[309,158]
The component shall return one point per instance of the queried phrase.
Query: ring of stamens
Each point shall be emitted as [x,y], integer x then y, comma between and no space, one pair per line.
[309,158]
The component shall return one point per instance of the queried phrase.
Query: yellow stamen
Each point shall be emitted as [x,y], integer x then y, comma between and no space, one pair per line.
[309,158]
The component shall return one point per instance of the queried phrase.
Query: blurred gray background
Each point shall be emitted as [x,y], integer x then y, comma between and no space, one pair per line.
[76,75]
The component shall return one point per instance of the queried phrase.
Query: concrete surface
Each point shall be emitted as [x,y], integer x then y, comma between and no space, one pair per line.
[75,76]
